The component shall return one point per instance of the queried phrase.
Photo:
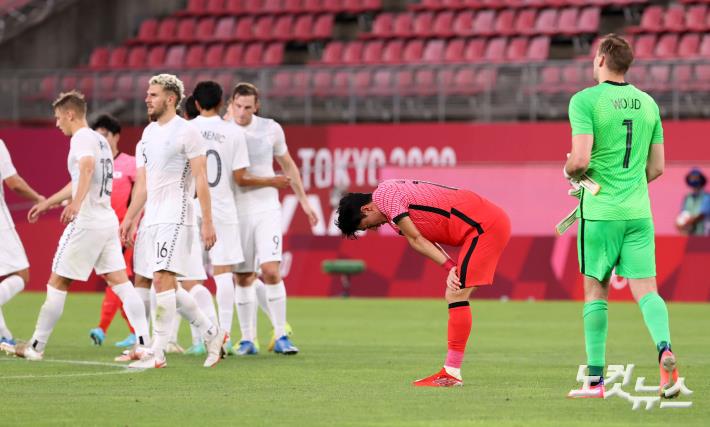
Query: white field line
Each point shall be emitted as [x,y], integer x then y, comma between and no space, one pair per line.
[121,369]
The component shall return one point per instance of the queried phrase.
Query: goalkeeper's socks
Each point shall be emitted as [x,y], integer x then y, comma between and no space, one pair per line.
[459,329]
[662,347]
[596,323]
[655,315]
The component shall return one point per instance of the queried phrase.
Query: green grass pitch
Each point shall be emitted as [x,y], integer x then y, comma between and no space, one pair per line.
[357,360]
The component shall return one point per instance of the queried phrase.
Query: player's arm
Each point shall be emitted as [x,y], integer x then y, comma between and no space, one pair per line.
[291,171]
[245,179]
[656,162]
[138,199]
[581,112]
[578,160]
[44,205]
[86,170]
[17,184]
[430,250]
[199,172]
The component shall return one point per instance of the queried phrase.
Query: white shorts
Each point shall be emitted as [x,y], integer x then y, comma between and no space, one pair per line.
[163,247]
[196,261]
[262,240]
[81,250]
[228,249]
[12,253]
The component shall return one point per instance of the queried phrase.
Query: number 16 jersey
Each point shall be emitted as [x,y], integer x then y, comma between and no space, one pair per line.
[624,122]
[95,211]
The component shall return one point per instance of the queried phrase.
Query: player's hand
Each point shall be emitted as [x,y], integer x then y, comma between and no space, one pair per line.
[125,230]
[209,237]
[576,193]
[281,181]
[452,281]
[69,213]
[38,209]
[310,213]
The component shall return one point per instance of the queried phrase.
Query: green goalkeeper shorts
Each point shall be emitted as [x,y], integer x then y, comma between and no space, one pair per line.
[627,245]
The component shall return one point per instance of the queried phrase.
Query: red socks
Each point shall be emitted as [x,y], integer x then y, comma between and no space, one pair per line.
[459,330]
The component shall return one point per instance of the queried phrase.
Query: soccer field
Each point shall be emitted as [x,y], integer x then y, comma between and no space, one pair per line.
[357,360]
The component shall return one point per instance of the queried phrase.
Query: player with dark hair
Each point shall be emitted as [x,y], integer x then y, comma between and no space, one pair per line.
[427,214]
[190,110]
[124,175]
[617,139]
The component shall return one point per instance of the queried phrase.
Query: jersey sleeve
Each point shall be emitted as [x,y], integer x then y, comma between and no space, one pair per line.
[83,144]
[140,155]
[657,137]
[581,114]
[192,142]
[7,169]
[280,147]
[391,201]
[241,155]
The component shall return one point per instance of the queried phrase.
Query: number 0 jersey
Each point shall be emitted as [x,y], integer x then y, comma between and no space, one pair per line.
[95,211]
[624,121]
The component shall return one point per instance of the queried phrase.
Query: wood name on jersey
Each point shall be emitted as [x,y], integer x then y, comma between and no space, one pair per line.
[626,104]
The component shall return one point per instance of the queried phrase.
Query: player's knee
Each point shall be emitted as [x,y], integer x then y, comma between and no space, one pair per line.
[245,279]
[24,275]
[271,273]
[459,295]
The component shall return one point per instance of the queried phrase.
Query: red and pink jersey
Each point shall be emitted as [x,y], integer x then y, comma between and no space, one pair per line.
[124,175]
[442,214]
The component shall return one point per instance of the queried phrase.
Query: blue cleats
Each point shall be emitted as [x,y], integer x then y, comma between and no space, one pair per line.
[197,350]
[97,335]
[284,346]
[246,348]
[130,341]
[8,341]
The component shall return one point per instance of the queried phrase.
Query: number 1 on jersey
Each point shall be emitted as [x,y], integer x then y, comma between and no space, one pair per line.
[629,137]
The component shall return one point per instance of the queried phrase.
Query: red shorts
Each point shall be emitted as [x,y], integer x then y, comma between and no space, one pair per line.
[482,248]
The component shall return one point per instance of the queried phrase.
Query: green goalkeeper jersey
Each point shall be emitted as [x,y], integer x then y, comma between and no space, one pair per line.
[624,121]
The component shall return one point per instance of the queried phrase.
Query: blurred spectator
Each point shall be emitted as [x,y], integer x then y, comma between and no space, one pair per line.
[694,218]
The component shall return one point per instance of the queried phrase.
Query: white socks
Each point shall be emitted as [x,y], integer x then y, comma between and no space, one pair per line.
[165,313]
[454,372]
[144,295]
[225,300]
[203,298]
[245,298]
[49,314]
[9,287]
[135,311]
[189,310]
[261,296]
[276,301]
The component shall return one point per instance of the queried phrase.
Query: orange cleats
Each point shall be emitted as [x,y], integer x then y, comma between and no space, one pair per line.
[593,392]
[439,379]
[669,374]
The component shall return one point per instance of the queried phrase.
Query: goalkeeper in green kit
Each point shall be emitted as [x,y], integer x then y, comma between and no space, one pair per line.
[617,140]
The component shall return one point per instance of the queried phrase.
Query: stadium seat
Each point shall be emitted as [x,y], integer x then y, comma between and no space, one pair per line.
[689,45]
[644,45]
[475,50]
[402,26]
[414,51]
[167,29]
[454,50]
[567,23]
[433,51]
[331,6]
[505,23]
[425,82]
[674,19]
[186,30]
[205,29]
[253,54]
[252,7]
[443,24]
[574,78]
[263,28]
[323,26]
[215,7]
[322,82]
[372,52]
[227,80]
[423,24]
[695,18]
[516,50]
[196,7]
[303,29]
[311,6]
[362,80]
[340,84]
[352,54]
[68,83]
[391,52]
[271,7]
[495,50]
[381,27]
[382,83]
[147,31]
[195,56]
[538,49]
[333,53]
[99,58]
[463,23]
[483,23]
[651,21]
[667,46]
[292,6]
[234,7]
[214,56]
[404,82]
[659,77]
[549,80]
[126,87]
[107,85]
[525,21]
[683,76]
[704,50]
[232,56]
[174,57]
[546,22]
[137,57]
[156,57]
[118,57]
[274,54]
[243,31]
[224,29]
[427,5]
[47,88]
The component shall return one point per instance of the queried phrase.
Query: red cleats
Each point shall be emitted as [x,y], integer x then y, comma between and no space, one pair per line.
[669,374]
[439,379]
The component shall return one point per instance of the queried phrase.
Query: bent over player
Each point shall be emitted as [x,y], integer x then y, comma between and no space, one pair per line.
[426,214]
[617,139]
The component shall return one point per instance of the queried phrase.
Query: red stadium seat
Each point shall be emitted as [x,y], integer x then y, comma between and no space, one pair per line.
[674,19]
[382,83]
[454,50]
[414,51]
[546,22]
[538,49]
[704,51]
[224,29]
[525,21]
[464,82]
[205,29]
[427,5]
[69,83]
[332,6]
[252,7]
[118,57]
[463,23]
[271,6]
[574,78]
[263,27]
[196,7]
[186,30]
[234,7]
[382,27]
[292,6]
[495,50]
[214,7]
[392,52]
[689,45]
[443,24]
[659,75]
[362,80]
[567,23]
[423,24]
[174,57]
[372,52]
[550,79]
[243,31]
[425,81]
[483,24]
[167,29]
[360,6]
[333,53]
[404,82]
[156,56]
[253,54]
[214,56]
[340,84]
[683,76]
[695,18]
[195,56]
[311,6]
[274,54]
[352,54]
[227,80]
[589,20]
[232,56]
[284,29]
[667,46]
[517,49]
[322,81]
[643,46]
[323,26]
[475,50]
[147,31]
[402,26]
[281,84]
[137,57]
[505,22]
[106,86]
[99,58]
[651,21]
[433,52]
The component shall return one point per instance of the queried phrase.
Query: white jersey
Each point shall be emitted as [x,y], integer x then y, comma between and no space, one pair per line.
[6,171]
[95,210]
[226,152]
[165,152]
[265,140]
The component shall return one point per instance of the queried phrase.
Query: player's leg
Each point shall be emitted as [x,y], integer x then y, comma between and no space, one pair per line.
[109,306]
[245,298]
[637,263]
[12,284]
[132,303]
[14,274]
[203,298]
[224,284]
[130,340]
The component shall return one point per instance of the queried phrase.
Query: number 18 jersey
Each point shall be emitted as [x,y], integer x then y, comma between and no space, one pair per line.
[95,211]
[624,122]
